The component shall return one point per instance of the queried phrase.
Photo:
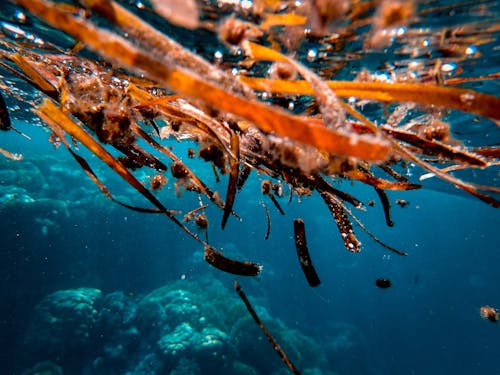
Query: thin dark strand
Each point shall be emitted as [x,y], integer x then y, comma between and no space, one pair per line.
[386,205]
[372,236]
[233,178]
[273,198]
[268,217]
[5,123]
[243,176]
[271,339]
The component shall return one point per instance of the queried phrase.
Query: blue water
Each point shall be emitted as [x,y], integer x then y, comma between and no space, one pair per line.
[154,306]
[427,322]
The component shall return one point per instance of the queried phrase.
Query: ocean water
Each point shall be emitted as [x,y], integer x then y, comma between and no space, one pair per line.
[91,287]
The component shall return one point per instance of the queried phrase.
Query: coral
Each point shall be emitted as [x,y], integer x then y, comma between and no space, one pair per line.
[181,328]
[117,325]
[179,341]
[65,321]
[167,305]
[210,340]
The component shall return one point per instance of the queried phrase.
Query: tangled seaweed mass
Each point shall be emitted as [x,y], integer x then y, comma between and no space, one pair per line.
[300,92]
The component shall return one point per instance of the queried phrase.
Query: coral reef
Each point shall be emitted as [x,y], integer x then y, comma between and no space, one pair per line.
[64,323]
[181,328]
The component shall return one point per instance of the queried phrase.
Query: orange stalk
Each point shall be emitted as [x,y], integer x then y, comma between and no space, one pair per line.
[421,93]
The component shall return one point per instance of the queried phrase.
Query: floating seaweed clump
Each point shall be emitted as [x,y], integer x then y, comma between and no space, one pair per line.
[300,92]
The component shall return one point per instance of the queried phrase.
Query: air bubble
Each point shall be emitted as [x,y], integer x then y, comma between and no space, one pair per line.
[20,17]
[312,54]
[471,50]
[218,55]
[246,4]
[449,67]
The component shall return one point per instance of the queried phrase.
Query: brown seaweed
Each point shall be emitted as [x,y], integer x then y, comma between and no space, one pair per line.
[235,267]
[4,115]
[233,177]
[385,205]
[268,221]
[344,225]
[303,253]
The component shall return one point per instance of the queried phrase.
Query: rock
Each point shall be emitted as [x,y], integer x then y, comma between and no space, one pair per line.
[65,321]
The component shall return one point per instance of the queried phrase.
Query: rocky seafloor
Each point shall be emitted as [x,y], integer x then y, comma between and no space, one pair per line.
[180,328]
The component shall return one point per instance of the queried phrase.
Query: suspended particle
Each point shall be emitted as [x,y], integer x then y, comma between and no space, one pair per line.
[489,313]
[383,283]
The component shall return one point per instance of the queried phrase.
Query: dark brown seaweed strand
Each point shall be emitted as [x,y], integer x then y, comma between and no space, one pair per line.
[268,217]
[216,174]
[299,231]
[323,185]
[243,176]
[155,127]
[233,177]
[273,198]
[386,205]
[337,209]
[271,339]
[391,172]
[4,115]
[141,157]
[216,259]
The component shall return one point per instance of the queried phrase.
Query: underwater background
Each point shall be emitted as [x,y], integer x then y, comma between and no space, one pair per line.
[89,287]
[60,234]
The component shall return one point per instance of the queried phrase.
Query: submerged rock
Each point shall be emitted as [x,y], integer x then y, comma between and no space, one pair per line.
[181,328]
[65,322]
